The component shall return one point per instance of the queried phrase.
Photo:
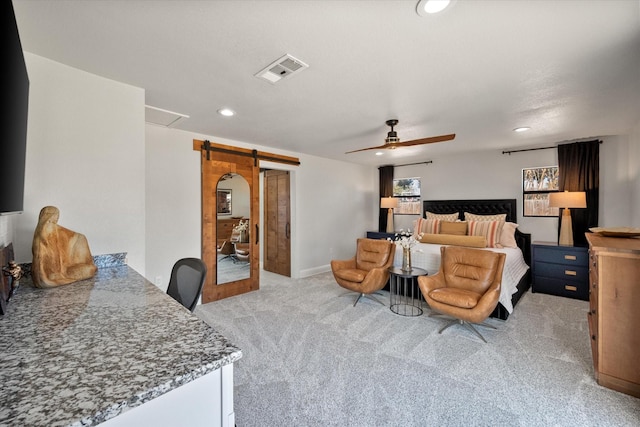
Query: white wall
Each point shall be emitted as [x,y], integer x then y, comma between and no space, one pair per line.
[491,174]
[333,203]
[85,155]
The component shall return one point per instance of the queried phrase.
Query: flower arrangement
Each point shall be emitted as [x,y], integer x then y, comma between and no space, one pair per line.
[406,240]
[242,226]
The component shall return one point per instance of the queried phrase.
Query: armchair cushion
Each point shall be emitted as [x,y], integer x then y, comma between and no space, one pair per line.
[352,274]
[456,297]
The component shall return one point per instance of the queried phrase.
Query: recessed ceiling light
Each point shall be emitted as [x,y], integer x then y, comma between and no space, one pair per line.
[379,153]
[226,112]
[429,7]
[522,129]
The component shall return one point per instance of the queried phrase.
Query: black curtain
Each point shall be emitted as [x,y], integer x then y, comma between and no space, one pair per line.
[386,190]
[579,170]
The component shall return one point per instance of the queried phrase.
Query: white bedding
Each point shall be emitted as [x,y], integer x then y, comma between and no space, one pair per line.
[427,256]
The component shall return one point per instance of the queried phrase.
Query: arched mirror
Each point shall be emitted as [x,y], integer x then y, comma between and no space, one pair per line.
[233,205]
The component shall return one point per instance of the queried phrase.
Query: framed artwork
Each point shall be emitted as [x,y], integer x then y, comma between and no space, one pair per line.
[537,183]
[224,202]
[407,191]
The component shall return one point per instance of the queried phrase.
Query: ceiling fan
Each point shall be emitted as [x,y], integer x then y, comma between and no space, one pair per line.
[392,141]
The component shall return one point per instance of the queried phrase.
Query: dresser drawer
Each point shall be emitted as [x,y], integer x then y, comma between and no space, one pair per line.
[561,271]
[560,255]
[561,287]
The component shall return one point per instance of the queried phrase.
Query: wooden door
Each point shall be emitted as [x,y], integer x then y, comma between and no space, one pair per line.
[277,212]
[217,160]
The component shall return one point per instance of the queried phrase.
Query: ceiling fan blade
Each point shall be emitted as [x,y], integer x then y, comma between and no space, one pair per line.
[430,140]
[380,147]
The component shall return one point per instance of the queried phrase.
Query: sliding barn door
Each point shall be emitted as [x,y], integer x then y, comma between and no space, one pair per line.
[220,165]
[277,212]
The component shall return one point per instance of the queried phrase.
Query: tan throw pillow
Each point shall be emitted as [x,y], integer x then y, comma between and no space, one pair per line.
[451,239]
[427,226]
[508,235]
[490,229]
[451,227]
[442,217]
[473,217]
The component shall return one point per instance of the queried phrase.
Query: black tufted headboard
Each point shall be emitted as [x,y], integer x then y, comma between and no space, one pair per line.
[478,207]
[482,207]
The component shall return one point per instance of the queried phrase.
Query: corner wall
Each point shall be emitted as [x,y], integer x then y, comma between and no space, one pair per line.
[85,155]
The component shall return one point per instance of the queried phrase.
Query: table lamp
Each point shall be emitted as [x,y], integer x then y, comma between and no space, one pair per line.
[389,203]
[566,200]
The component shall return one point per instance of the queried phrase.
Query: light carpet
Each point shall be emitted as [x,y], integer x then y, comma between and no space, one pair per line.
[312,359]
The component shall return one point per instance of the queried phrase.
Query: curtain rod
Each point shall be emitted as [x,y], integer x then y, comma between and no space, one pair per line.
[528,149]
[418,163]
[534,149]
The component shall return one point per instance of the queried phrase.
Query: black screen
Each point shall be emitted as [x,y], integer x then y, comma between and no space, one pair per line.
[15,97]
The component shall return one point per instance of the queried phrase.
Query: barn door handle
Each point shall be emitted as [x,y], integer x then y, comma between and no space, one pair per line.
[287,231]
[257,234]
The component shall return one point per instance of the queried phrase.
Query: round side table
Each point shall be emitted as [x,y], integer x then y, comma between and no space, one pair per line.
[406,298]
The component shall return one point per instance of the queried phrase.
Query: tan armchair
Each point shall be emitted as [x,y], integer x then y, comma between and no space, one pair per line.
[466,287]
[368,271]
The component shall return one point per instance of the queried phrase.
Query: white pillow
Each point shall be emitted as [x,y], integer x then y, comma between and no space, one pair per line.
[508,235]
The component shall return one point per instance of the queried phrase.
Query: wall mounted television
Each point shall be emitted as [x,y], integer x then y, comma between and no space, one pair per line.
[13,141]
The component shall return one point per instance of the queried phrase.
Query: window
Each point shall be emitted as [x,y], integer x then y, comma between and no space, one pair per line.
[537,183]
[407,191]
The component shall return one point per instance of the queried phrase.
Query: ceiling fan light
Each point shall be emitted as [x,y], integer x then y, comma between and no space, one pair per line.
[429,7]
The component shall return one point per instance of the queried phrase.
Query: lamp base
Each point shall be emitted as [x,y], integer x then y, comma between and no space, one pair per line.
[390,221]
[566,229]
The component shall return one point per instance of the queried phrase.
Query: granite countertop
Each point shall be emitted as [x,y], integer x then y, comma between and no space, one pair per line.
[83,353]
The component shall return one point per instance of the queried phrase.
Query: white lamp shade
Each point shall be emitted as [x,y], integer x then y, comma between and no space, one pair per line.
[388,202]
[568,199]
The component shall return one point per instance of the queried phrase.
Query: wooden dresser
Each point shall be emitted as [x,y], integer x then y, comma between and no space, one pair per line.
[614,315]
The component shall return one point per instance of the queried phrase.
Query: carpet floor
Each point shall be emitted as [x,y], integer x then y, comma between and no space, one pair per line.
[312,359]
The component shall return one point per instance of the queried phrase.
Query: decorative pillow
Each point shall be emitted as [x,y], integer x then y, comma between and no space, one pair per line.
[473,217]
[492,230]
[442,217]
[426,226]
[453,227]
[508,235]
[451,239]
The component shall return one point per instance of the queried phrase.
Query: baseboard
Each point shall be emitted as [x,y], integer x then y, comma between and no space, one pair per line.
[313,271]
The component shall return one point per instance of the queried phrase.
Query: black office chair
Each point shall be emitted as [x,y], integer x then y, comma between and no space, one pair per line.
[187,280]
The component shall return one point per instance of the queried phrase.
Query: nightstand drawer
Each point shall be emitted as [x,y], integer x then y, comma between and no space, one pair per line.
[563,288]
[562,271]
[559,255]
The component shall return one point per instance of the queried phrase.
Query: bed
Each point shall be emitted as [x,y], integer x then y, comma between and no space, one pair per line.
[516,275]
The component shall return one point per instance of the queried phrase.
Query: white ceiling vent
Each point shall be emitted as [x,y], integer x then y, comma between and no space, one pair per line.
[158,116]
[283,67]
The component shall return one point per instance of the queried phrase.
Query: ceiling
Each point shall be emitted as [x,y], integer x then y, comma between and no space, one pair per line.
[567,69]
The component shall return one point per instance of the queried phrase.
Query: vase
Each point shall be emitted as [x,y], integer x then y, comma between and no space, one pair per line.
[406,259]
